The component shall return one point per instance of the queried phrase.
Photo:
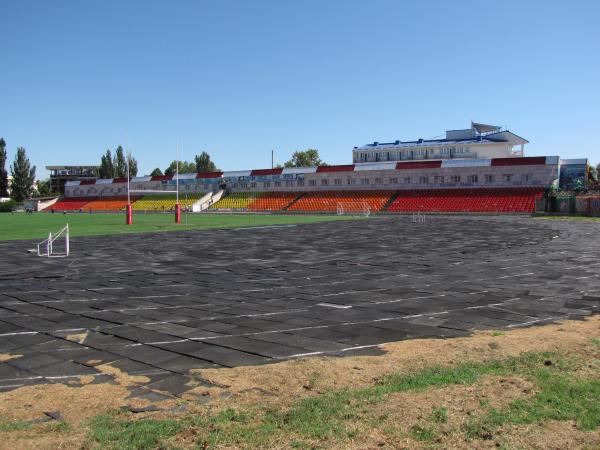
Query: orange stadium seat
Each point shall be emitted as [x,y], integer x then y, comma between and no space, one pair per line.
[108,204]
[329,201]
[273,201]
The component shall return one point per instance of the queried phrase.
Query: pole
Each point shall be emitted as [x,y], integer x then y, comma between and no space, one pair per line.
[129,217]
[272,157]
[177,208]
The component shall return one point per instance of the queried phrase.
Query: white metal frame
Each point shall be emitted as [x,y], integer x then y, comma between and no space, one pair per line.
[363,209]
[49,251]
[418,217]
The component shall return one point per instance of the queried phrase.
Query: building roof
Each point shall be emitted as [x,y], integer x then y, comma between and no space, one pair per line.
[71,167]
[479,133]
[422,143]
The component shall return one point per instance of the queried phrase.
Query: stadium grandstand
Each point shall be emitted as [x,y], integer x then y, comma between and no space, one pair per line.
[479,169]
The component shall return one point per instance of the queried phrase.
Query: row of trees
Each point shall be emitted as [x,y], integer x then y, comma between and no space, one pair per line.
[202,163]
[116,166]
[23,184]
[23,174]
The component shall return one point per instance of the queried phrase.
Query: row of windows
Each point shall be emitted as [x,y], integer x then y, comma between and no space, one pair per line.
[403,154]
[437,179]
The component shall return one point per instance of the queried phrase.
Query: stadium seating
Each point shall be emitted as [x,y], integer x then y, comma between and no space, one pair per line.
[503,200]
[70,204]
[273,201]
[237,200]
[165,202]
[349,200]
[108,204]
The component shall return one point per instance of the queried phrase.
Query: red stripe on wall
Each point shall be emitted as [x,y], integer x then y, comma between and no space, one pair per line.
[259,172]
[345,168]
[210,175]
[524,161]
[419,165]
[161,178]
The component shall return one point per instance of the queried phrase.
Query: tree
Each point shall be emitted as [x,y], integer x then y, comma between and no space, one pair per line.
[23,176]
[119,163]
[184,167]
[44,188]
[107,169]
[132,164]
[156,173]
[594,173]
[307,158]
[3,172]
[116,166]
[204,164]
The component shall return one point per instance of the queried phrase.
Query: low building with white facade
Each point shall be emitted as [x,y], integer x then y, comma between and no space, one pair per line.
[478,142]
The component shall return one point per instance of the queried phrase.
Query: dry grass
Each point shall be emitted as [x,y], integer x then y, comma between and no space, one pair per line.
[436,416]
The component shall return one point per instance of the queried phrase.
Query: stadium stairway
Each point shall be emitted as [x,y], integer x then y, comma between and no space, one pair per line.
[298,197]
[390,201]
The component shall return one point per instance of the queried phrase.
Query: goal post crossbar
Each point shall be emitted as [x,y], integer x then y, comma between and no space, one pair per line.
[353,208]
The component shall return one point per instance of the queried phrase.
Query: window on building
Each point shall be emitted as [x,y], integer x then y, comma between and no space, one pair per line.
[253,184]
[423,180]
[406,180]
[507,177]
[337,181]
[455,179]
[378,181]
[489,178]
[278,184]
[525,178]
[312,182]
[289,183]
[364,181]
[300,182]
[267,184]
[472,178]
[325,182]
[439,179]
[393,180]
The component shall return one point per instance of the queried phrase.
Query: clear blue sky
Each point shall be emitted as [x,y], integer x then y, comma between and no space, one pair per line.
[239,78]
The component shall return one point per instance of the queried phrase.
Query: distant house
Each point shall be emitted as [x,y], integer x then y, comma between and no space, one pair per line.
[59,175]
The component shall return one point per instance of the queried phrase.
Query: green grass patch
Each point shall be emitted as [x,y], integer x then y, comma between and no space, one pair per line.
[336,415]
[423,433]
[572,218]
[439,415]
[36,226]
[498,333]
[6,425]
[596,342]
[112,431]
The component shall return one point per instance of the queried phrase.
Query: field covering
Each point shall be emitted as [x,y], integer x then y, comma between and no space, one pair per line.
[36,226]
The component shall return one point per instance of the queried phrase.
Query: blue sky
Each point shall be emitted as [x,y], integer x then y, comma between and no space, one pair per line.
[239,78]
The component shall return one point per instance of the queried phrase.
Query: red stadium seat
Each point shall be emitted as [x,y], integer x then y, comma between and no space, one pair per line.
[493,200]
